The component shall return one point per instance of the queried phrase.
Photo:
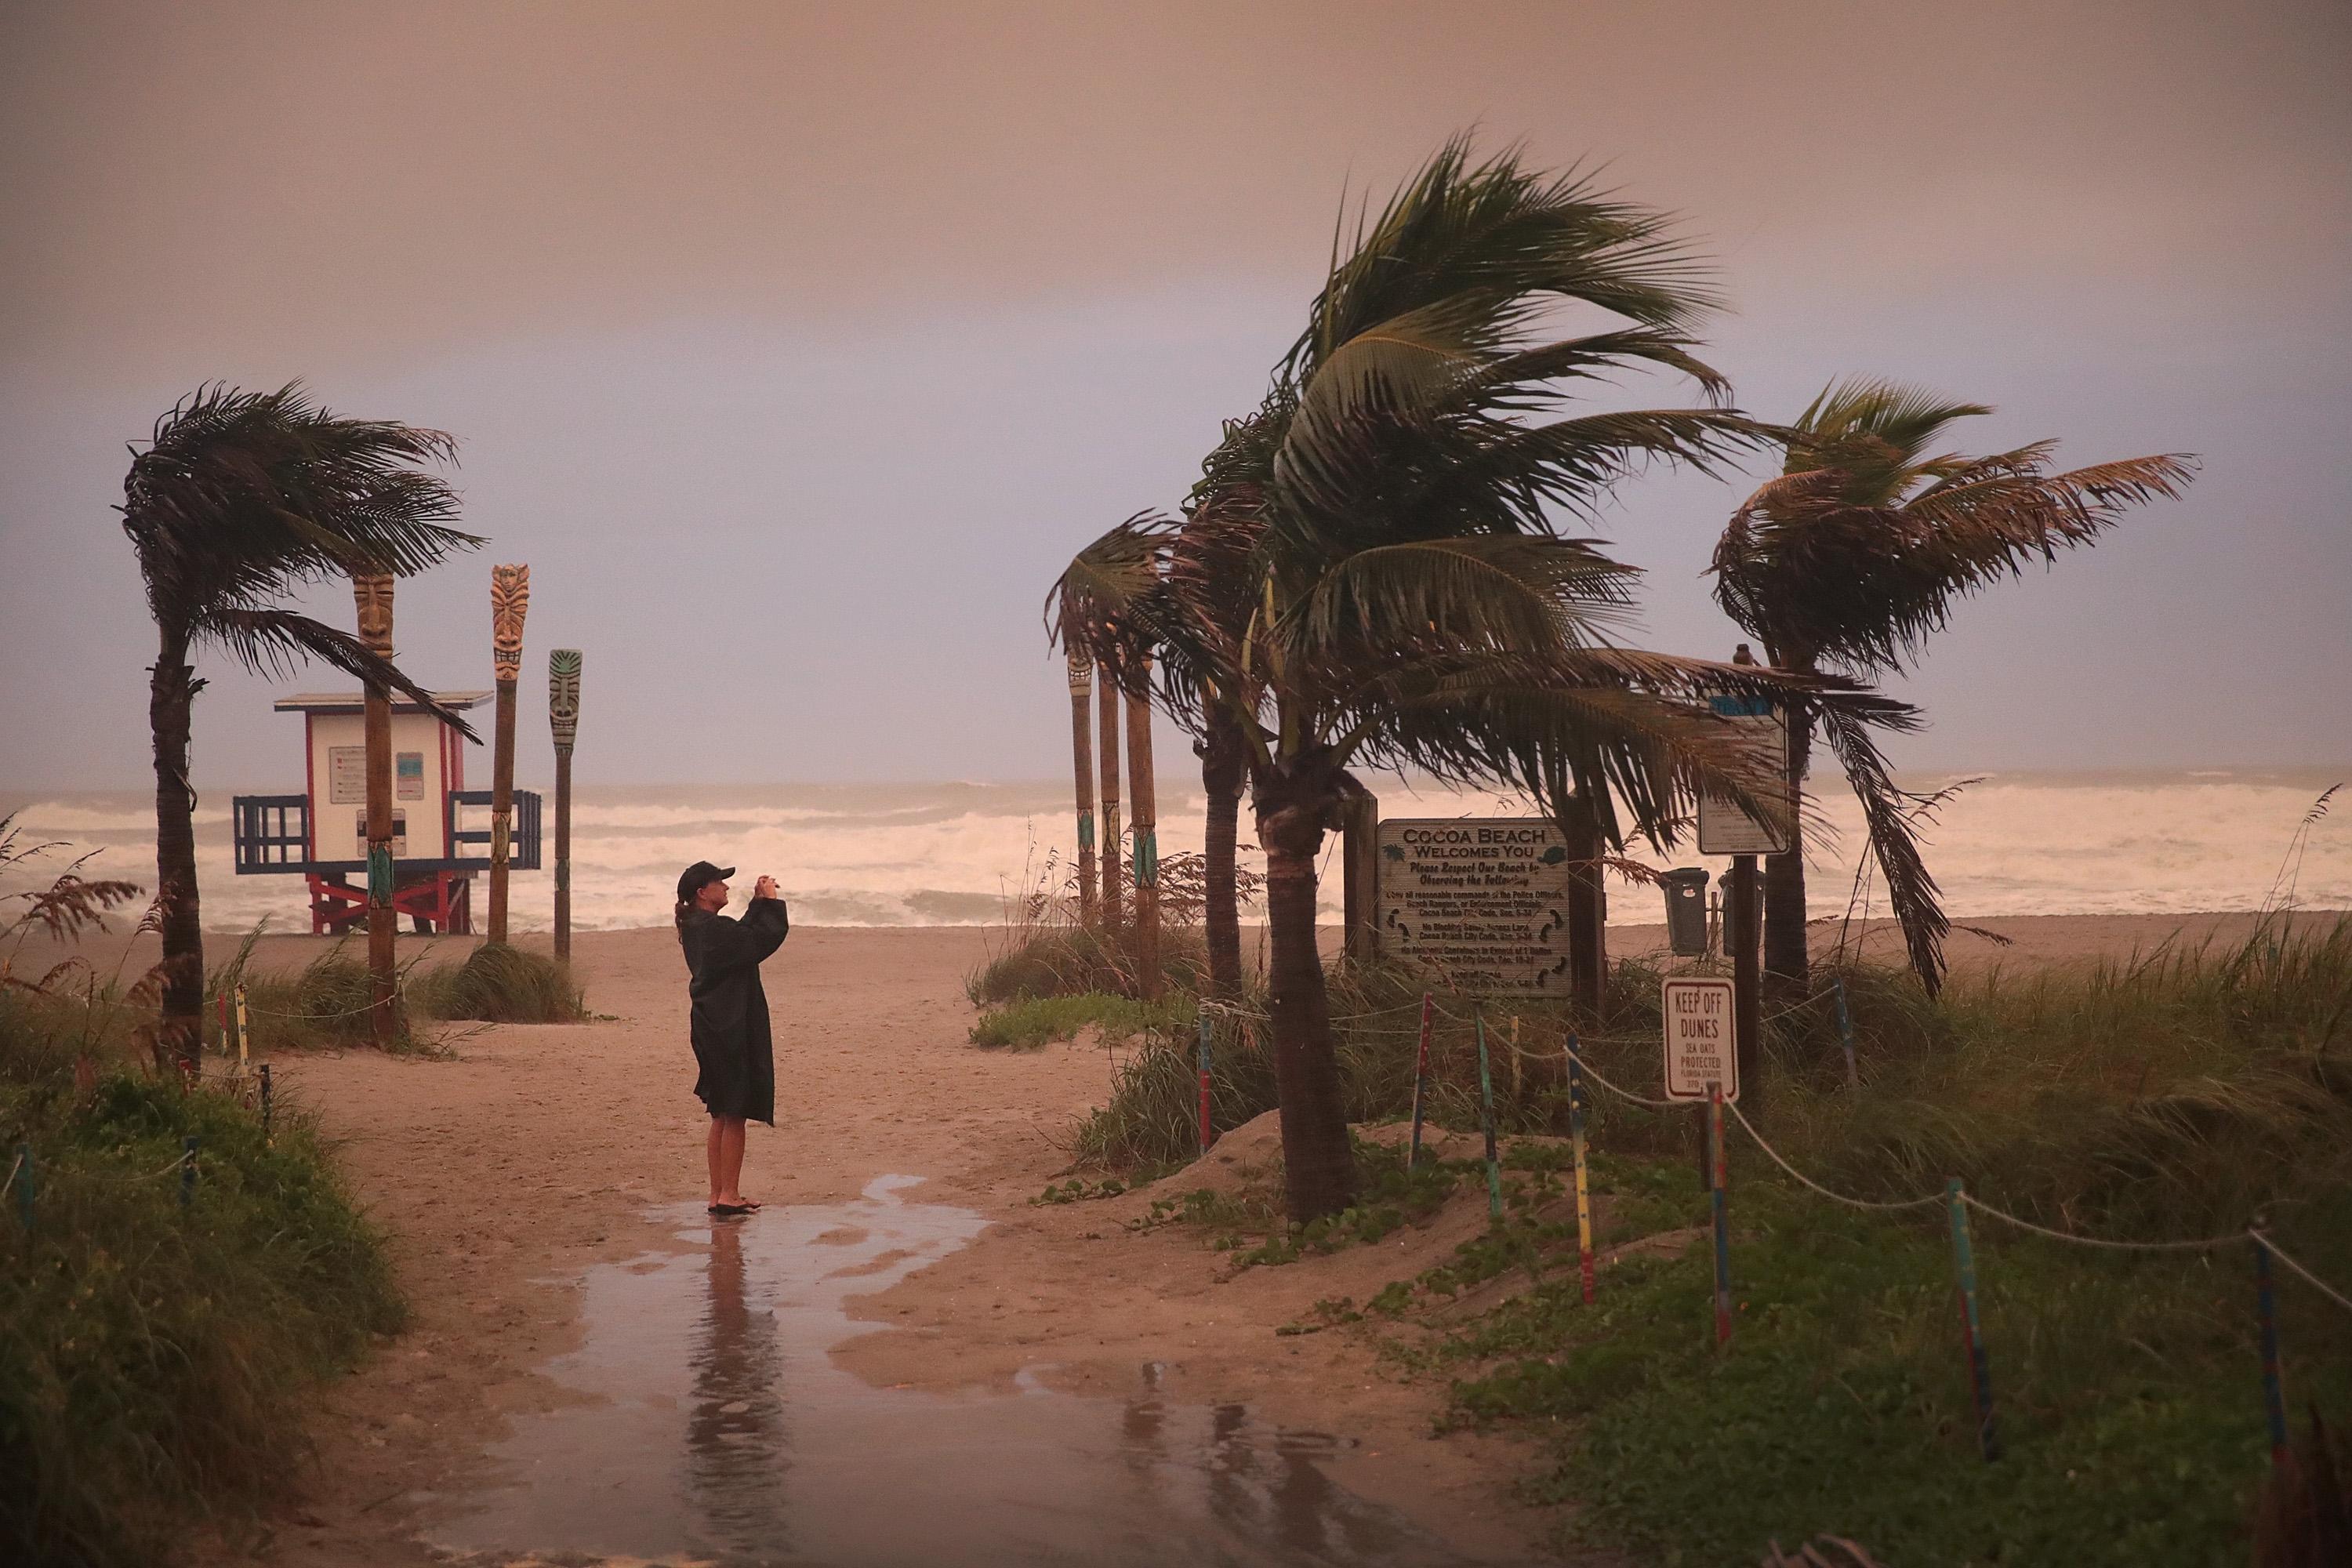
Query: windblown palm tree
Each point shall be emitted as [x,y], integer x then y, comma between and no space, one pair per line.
[1845,563]
[1404,599]
[239,498]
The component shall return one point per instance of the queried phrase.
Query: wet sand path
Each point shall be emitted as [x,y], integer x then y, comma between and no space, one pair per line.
[541,1154]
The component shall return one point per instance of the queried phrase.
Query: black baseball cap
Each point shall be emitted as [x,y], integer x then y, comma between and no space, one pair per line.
[698,876]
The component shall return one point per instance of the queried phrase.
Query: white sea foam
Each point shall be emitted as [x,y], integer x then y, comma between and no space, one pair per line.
[953,854]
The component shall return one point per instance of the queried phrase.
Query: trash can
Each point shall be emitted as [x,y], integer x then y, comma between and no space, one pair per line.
[1686,911]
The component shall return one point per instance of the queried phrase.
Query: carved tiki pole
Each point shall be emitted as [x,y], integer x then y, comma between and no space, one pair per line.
[1082,759]
[1143,803]
[563,720]
[1106,755]
[372,592]
[510,597]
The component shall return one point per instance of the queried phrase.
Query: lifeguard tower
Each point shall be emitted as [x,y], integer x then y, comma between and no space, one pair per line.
[440,829]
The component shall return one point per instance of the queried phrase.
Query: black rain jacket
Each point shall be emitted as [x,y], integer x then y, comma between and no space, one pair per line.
[732,1045]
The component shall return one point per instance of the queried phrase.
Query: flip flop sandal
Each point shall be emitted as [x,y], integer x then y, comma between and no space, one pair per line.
[732,1211]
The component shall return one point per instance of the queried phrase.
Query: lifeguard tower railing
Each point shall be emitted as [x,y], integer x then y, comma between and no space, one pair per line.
[272,833]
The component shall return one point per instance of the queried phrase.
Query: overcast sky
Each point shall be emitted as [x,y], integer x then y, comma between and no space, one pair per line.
[797,348]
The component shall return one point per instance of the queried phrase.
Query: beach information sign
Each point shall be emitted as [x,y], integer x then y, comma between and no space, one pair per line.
[1481,901]
[1700,1049]
[1724,827]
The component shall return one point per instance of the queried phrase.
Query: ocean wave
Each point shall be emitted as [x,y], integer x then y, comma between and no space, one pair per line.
[907,855]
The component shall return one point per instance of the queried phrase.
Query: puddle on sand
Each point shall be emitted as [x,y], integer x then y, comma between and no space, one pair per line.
[716,1428]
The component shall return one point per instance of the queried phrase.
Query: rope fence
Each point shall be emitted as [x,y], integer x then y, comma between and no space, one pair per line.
[1954,1200]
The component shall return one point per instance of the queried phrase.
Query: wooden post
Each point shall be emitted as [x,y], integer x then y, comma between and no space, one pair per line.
[1583,1185]
[1964,1264]
[1144,802]
[1740,920]
[563,722]
[1107,760]
[1420,1081]
[1845,1035]
[1082,760]
[1719,1210]
[1208,1133]
[510,599]
[2266,1327]
[373,591]
[1486,1118]
[1360,879]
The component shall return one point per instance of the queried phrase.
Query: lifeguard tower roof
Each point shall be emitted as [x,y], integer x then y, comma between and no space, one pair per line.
[355,703]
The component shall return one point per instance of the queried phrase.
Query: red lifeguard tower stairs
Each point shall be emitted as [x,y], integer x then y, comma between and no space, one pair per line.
[320,835]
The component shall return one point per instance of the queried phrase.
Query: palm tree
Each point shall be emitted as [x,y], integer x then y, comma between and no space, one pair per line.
[1861,547]
[238,499]
[1405,599]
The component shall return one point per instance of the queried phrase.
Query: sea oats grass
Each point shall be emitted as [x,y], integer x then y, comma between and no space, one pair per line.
[157,1357]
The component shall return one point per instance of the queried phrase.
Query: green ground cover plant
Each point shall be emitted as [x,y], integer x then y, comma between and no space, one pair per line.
[155,1356]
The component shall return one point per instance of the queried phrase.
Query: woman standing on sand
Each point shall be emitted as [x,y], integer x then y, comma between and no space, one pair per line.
[732,1047]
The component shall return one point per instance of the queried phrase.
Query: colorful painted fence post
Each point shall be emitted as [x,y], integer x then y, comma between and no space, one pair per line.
[1486,1116]
[1208,1134]
[1419,1082]
[1719,1203]
[1971,1326]
[1576,1144]
[243,1054]
[1845,1035]
[2274,1379]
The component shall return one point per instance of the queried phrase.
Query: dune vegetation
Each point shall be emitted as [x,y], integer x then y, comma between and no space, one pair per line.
[2182,1093]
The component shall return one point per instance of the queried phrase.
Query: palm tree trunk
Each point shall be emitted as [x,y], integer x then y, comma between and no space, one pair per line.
[1222,765]
[1082,759]
[170,692]
[1143,806]
[1787,972]
[1106,758]
[1588,910]
[1318,1165]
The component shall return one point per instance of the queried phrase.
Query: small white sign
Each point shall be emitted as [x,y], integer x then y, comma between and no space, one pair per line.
[347,776]
[1724,827]
[1700,1046]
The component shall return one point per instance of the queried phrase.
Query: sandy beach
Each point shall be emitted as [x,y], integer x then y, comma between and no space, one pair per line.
[530,1156]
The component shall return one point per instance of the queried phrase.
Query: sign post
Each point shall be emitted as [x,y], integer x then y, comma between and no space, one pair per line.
[1726,827]
[1702,1043]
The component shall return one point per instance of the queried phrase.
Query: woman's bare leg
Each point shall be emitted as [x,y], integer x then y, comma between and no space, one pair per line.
[727,1159]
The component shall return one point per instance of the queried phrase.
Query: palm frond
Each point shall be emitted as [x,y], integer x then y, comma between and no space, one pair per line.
[1511,240]
[1911,891]
[241,497]
[1817,575]
[273,642]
